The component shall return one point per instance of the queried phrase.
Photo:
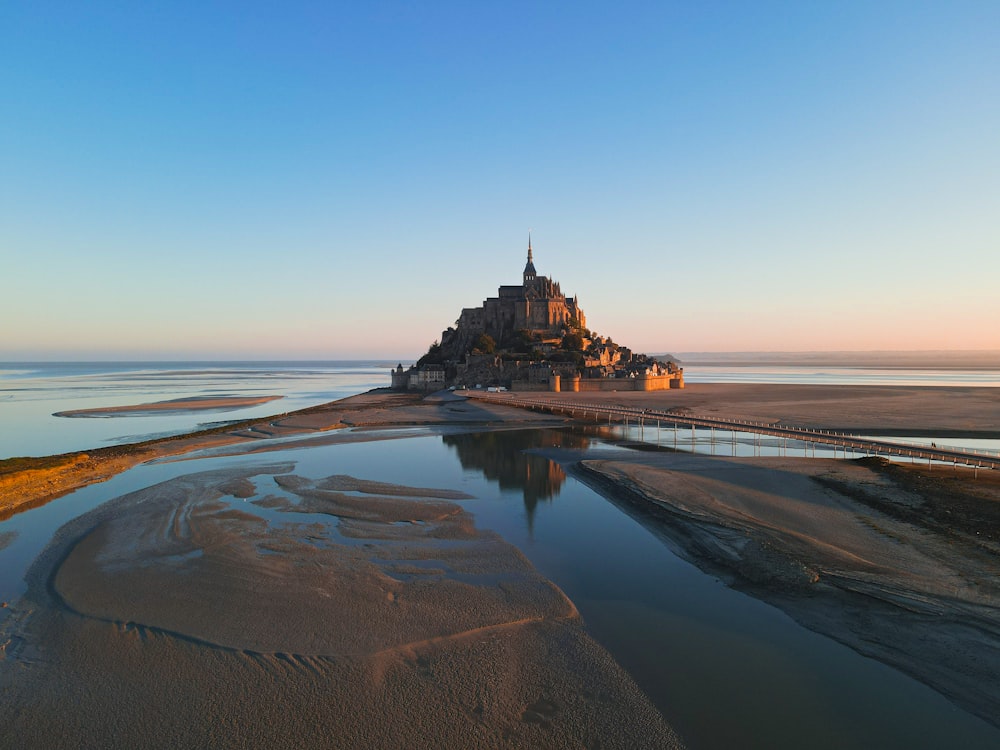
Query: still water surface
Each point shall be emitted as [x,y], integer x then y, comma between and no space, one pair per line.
[31,393]
[725,669]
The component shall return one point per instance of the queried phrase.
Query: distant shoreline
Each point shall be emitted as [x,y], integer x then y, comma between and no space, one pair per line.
[901,360]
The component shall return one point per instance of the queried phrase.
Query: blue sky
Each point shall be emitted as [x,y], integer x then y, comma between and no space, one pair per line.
[332,180]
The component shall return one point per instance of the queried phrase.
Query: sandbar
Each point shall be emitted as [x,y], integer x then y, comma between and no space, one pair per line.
[898,562]
[172,406]
[232,608]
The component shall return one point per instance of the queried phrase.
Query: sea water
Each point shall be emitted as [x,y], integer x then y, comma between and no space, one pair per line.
[32,393]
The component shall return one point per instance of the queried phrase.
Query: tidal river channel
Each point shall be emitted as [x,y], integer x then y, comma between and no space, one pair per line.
[725,669]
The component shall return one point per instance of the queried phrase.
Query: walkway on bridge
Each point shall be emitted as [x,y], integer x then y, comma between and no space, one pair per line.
[855,443]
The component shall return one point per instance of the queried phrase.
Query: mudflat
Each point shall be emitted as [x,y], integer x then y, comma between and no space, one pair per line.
[254,607]
[878,409]
[174,597]
[201,403]
[899,563]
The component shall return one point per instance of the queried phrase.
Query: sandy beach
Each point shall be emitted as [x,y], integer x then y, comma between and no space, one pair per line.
[179,585]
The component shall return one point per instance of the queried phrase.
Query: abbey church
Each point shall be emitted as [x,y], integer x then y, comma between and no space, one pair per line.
[537,305]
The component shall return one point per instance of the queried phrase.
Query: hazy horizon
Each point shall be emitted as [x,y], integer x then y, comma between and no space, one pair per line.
[922,358]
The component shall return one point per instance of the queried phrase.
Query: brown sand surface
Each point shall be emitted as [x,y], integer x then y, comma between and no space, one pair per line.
[901,564]
[887,410]
[227,609]
[201,403]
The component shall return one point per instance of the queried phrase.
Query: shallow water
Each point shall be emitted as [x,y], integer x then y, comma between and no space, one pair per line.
[725,669]
[31,393]
[812,375]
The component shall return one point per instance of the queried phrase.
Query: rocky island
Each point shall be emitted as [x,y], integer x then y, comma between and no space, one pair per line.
[532,337]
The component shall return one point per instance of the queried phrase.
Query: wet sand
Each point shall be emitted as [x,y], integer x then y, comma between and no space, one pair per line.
[867,410]
[897,563]
[219,609]
[178,405]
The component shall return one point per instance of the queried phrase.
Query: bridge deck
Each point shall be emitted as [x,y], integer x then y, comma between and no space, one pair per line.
[855,443]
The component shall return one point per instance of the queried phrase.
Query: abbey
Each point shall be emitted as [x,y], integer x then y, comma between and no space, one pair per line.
[536,306]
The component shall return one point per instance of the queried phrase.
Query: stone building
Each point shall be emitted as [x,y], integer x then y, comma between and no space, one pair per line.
[423,378]
[537,305]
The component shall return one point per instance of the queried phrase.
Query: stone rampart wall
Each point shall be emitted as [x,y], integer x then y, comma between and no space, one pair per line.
[639,383]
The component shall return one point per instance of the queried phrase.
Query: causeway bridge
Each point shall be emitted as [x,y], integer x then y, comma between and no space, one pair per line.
[855,444]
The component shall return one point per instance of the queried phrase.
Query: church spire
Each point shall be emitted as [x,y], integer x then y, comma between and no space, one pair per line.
[529,267]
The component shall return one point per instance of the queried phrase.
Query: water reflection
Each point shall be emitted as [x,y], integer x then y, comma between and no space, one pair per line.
[501,457]
[698,648]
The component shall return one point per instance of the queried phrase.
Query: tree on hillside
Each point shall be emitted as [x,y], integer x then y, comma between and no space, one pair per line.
[572,342]
[484,344]
[520,340]
[434,356]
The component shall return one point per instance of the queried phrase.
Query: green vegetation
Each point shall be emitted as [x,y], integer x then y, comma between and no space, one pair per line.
[434,356]
[572,342]
[521,340]
[484,344]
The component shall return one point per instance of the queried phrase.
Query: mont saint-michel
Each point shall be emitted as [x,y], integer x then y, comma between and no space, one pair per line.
[533,337]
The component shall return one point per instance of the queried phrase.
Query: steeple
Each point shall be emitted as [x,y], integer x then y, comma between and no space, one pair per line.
[529,267]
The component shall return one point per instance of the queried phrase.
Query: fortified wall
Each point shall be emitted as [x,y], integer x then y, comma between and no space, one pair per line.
[577,384]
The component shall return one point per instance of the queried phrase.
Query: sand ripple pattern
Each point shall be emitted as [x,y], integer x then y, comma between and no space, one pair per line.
[183,557]
[253,607]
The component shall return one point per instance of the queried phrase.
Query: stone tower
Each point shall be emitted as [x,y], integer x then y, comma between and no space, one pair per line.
[529,267]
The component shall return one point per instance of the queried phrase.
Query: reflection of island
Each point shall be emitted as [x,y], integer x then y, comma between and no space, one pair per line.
[501,458]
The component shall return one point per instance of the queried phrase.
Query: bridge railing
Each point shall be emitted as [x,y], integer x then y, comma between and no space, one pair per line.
[972,457]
